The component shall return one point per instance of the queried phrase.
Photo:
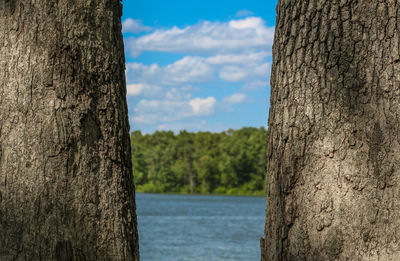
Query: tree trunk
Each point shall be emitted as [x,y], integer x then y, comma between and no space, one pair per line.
[333,174]
[66,189]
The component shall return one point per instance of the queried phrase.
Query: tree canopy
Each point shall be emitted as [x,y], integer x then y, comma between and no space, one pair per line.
[231,162]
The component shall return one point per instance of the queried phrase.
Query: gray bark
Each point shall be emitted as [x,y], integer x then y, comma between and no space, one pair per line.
[66,189]
[333,174]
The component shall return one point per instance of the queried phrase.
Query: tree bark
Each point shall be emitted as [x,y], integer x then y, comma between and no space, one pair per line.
[333,174]
[66,189]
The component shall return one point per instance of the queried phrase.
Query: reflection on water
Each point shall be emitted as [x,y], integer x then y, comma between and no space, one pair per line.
[194,227]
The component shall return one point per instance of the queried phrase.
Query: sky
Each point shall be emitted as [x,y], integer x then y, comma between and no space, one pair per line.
[198,65]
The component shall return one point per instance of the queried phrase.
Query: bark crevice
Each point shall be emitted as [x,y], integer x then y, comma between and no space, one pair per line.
[66,186]
[332,184]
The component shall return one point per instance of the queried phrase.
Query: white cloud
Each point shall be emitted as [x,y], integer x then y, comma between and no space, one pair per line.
[195,69]
[237,51]
[135,89]
[236,98]
[142,89]
[188,70]
[161,111]
[182,93]
[248,72]
[232,74]
[207,37]
[244,12]
[134,26]
[248,23]
[152,111]
[262,70]
[203,106]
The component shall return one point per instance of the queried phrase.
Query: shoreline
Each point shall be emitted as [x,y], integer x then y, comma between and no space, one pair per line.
[202,194]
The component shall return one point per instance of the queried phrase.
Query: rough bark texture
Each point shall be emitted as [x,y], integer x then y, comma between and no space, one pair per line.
[66,189]
[333,175]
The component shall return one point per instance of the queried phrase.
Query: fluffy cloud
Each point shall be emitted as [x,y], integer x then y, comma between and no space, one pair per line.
[153,111]
[232,74]
[237,52]
[188,70]
[195,69]
[236,98]
[236,73]
[207,37]
[203,106]
[142,89]
[181,93]
[157,111]
[134,26]
[185,71]
[248,58]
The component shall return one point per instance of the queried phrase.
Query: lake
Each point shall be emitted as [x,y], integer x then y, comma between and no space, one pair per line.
[199,228]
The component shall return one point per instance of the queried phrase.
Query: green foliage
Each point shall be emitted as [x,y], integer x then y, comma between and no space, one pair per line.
[231,162]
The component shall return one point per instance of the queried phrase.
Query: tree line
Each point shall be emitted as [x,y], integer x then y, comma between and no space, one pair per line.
[230,162]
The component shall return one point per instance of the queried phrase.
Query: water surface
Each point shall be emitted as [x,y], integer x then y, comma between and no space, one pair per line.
[199,228]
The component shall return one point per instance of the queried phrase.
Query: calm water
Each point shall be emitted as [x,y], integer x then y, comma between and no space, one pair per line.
[199,228]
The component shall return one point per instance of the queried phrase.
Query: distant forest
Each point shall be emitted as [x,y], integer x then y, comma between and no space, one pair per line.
[231,162]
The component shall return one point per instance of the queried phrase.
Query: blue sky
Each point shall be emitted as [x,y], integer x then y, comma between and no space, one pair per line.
[198,65]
